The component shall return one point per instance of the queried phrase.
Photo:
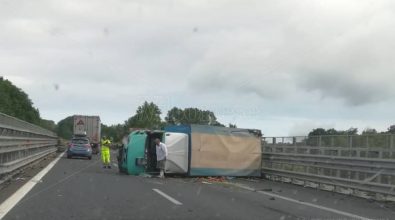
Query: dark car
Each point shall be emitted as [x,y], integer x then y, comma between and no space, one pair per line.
[79,147]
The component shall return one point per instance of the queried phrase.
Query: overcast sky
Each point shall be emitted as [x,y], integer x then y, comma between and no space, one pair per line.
[284,67]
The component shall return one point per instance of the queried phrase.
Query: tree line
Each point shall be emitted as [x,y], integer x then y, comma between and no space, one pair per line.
[16,103]
[350,131]
[350,138]
[148,116]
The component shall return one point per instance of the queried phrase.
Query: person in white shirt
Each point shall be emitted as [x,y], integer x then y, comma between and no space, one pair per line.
[161,154]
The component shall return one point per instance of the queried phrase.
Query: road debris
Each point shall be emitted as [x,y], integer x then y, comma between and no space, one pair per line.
[252,180]
[210,179]
[267,190]
[145,175]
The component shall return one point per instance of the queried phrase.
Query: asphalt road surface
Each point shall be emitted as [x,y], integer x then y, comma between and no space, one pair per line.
[82,189]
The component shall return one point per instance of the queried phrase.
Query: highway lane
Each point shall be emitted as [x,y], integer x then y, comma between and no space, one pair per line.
[82,189]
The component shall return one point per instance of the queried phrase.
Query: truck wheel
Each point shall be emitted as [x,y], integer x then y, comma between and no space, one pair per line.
[90,158]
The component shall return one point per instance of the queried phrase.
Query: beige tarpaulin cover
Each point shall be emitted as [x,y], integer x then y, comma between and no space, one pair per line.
[220,151]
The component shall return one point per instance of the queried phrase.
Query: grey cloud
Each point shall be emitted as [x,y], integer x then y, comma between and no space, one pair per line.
[194,53]
[345,54]
[351,89]
[356,65]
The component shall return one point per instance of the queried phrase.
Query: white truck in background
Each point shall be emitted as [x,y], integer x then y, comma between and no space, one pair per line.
[89,126]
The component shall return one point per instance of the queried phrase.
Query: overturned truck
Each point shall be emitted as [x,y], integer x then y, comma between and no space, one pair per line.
[194,150]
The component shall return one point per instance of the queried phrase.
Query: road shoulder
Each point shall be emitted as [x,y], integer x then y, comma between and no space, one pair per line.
[9,187]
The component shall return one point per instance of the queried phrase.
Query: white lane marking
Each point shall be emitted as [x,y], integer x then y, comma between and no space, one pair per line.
[171,199]
[8,204]
[353,216]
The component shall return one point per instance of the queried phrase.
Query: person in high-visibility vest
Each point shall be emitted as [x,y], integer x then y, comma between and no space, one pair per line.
[105,153]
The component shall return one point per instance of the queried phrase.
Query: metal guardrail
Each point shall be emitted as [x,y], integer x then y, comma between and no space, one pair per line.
[22,143]
[359,165]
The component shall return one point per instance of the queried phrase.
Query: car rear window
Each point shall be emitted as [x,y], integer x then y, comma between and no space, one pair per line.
[80,141]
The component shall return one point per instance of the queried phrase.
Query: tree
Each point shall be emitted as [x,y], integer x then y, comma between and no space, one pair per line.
[391,129]
[64,128]
[232,125]
[176,116]
[332,131]
[352,131]
[114,132]
[147,116]
[48,124]
[16,103]
[369,131]
[317,132]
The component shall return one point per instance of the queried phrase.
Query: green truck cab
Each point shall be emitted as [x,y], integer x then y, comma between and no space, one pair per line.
[139,154]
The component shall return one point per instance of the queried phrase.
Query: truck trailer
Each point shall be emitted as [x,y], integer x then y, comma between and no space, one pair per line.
[89,126]
[195,150]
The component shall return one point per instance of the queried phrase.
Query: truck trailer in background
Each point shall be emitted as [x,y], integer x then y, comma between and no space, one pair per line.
[89,126]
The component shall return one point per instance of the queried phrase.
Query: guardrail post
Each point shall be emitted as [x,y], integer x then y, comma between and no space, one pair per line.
[319,141]
[367,141]
[350,146]
[337,173]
